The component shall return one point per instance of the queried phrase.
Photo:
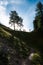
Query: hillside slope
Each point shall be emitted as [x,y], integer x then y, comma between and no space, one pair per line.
[20,43]
[32,39]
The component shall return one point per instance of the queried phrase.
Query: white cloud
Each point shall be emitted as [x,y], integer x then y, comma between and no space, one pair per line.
[16,1]
[4,3]
[29,17]
[3,16]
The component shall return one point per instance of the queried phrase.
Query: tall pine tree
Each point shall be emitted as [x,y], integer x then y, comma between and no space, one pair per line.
[38,22]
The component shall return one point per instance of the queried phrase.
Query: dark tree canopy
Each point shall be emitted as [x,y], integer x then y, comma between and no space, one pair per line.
[15,19]
[38,22]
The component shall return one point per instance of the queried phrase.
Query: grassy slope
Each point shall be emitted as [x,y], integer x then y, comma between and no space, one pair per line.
[26,39]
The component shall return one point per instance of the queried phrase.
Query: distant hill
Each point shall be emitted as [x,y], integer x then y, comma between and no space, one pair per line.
[20,43]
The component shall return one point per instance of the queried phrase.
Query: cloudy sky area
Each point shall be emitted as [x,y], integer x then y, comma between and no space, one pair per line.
[24,8]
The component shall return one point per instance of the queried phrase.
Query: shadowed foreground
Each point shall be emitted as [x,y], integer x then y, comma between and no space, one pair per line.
[16,46]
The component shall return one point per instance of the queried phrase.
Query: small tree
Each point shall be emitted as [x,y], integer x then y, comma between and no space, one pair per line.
[14,18]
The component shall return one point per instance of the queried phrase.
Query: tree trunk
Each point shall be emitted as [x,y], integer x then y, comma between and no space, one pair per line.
[14,26]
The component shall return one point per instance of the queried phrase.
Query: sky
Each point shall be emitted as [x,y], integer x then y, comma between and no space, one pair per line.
[24,8]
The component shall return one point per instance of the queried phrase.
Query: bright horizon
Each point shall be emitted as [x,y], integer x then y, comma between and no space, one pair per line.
[24,8]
